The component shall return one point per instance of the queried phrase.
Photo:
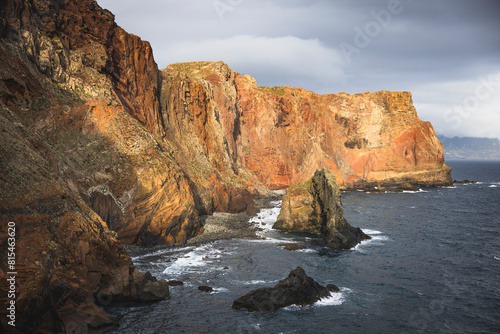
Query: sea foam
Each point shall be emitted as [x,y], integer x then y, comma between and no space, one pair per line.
[376,239]
[194,261]
[335,299]
[371,232]
[415,191]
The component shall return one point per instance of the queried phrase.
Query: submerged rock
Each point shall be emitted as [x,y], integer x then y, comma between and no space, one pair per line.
[297,288]
[315,206]
[175,283]
[205,288]
[464,181]
[291,246]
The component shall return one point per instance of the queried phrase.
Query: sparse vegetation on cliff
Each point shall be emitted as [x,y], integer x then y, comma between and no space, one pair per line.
[274,90]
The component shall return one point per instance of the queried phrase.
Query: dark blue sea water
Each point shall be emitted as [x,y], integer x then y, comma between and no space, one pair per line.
[432,266]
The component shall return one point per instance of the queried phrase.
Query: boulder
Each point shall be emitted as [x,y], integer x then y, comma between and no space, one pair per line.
[315,206]
[297,288]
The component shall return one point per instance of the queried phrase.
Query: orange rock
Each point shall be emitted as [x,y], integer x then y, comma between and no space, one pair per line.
[375,138]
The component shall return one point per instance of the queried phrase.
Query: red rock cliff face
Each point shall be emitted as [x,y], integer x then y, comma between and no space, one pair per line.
[68,39]
[364,138]
[202,126]
[282,134]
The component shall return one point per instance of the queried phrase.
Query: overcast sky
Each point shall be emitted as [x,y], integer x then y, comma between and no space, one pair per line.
[447,52]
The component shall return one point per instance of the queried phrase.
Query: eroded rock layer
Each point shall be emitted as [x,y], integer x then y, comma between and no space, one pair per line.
[369,138]
[283,134]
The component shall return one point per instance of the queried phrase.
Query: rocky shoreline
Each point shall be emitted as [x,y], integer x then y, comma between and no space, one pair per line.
[225,226]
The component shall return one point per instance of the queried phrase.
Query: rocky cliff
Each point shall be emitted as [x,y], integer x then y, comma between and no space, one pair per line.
[315,207]
[77,108]
[281,135]
[99,145]
[73,165]
[368,138]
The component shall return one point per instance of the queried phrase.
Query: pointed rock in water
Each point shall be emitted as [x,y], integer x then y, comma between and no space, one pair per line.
[297,288]
[315,206]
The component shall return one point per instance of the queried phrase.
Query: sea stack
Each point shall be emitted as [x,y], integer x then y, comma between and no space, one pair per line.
[296,289]
[315,206]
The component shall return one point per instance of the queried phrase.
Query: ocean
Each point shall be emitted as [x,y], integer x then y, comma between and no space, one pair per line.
[432,266]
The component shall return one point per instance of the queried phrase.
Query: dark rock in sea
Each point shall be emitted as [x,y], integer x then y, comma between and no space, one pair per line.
[153,291]
[205,288]
[396,187]
[297,288]
[332,288]
[292,247]
[315,207]
[464,181]
[175,283]
[225,268]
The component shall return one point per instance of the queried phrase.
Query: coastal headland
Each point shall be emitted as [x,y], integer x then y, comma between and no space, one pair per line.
[100,148]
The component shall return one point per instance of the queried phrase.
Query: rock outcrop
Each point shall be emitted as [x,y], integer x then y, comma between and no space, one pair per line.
[315,207]
[296,289]
[90,94]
